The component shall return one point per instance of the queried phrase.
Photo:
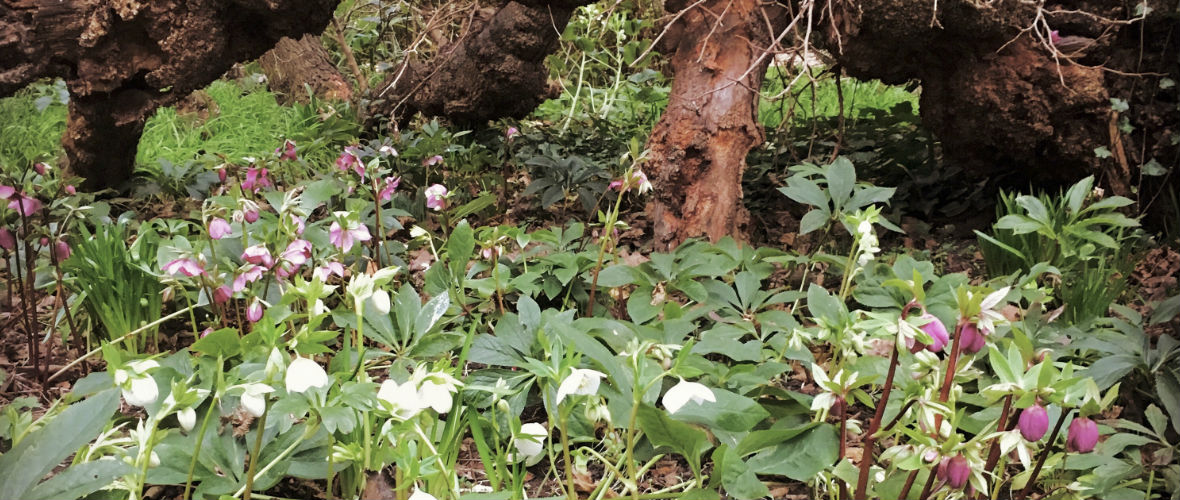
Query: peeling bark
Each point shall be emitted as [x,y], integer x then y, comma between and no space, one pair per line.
[122,59]
[698,149]
[497,70]
[293,63]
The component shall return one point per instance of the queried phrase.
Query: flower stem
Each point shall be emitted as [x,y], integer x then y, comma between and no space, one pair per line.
[993,455]
[952,365]
[192,465]
[1044,455]
[866,462]
[257,450]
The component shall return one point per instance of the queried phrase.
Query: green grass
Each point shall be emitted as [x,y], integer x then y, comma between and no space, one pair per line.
[31,124]
[860,98]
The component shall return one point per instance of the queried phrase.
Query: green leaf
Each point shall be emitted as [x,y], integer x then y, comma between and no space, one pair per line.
[1153,168]
[1168,387]
[1157,419]
[80,480]
[1077,194]
[1018,224]
[474,206]
[811,221]
[617,275]
[802,457]
[732,412]
[225,343]
[1165,311]
[661,430]
[1102,152]
[803,190]
[41,450]
[460,246]
[739,479]
[841,176]
[823,305]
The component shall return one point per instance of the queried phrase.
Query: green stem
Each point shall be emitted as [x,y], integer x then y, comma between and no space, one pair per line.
[571,491]
[257,450]
[192,465]
[307,433]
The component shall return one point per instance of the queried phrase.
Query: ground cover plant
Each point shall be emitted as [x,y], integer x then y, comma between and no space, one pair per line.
[286,304]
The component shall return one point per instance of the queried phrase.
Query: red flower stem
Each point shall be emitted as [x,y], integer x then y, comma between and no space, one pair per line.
[993,455]
[866,462]
[1044,455]
[952,365]
[929,484]
[909,483]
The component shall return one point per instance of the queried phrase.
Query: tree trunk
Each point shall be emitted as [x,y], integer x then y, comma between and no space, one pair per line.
[122,60]
[496,70]
[698,149]
[293,63]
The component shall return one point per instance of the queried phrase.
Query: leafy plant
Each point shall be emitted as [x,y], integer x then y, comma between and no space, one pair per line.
[566,179]
[840,195]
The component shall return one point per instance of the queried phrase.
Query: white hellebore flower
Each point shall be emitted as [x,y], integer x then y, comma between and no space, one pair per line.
[141,391]
[303,374]
[680,394]
[530,443]
[435,391]
[421,495]
[581,382]
[403,399]
[253,399]
[187,418]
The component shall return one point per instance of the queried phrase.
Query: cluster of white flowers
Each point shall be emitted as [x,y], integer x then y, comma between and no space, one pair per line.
[423,390]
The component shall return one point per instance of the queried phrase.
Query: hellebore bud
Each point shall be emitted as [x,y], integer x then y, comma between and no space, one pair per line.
[1033,422]
[1083,435]
[955,471]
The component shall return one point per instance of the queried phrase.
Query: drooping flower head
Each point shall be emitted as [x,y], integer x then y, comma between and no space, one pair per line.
[259,255]
[955,471]
[974,339]
[632,179]
[390,186]
[1033,422]
[1083,435]
[61,250]
[254,311]
[530,443]
[287,150]
[7,239]
[250,273]
[24,204]
[937,332]
[187,266]
[683,392]
[512,131]
[222,294]
[436,197]
[350,158]
[219,228]
[345,236]
[581,382]
[433,160]
[327,270]
[303,374]
[256,178]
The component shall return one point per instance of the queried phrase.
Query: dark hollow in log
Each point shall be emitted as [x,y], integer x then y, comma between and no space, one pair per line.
[122,60]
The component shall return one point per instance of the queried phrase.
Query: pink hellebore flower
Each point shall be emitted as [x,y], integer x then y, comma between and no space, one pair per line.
[1054,37]
[299,225]
[24,204]
[345,238]
[250,216]
[1033,422]
[41,168]
[433,160]
[287,150]
[222,294]
[436,197]
[250,275]
[186,266]
[636,180]
[391,184]
[348,159]
[71,190]
[254,311]
[219,228]
[6,192]
[258,254]
[511,132]
[222,174]
[7,240]
[1083,435]
[255,179]
[297,253]
[61,250]
[937,332]
[327,270]
[955,471]
[973,339]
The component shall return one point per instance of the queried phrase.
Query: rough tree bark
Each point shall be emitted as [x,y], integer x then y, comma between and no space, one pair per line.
[698,148]
[1000,101]
[496,70]
[122,59]
[293,63]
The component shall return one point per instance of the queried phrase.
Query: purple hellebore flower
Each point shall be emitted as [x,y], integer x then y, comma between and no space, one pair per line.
[219,228]
[1083,435]
[258,254]
[974,339]
[348,159]
[222,294]
[61,250]
[955,471]
[254,311]
[186,266]
[345,238]
[249,275]
[256,178]
[41,168]
[286,151]
[937,332]
[222,174]
[391,184]
[71,190]
[436,197]
[1033,422]
[297,252]
[24,204]
[250,216]
[7,239]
